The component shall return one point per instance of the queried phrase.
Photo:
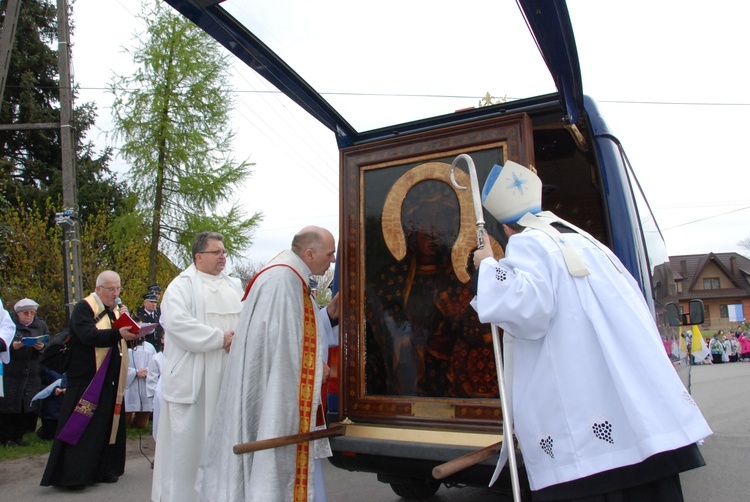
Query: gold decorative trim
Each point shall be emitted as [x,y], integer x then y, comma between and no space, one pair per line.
[422,435]
[393,231]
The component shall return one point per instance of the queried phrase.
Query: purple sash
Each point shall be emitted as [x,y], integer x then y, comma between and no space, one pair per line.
[81,416]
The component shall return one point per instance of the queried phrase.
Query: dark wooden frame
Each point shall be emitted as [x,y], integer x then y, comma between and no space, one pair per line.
[514,135]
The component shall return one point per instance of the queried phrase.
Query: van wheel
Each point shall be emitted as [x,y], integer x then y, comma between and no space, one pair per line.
[415,489]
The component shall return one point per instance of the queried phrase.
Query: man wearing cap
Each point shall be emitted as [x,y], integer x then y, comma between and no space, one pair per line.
[90,443]
[199,314]
[616,421]
[150,312]
[21,377]
[156,290]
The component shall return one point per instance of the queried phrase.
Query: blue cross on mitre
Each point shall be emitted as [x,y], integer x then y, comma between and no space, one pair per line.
[517,183]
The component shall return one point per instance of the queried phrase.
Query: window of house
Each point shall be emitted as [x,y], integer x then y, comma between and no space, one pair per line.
[723,311]
[711,283]
[679,287]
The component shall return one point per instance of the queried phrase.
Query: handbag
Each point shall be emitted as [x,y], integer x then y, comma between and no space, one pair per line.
[56,353]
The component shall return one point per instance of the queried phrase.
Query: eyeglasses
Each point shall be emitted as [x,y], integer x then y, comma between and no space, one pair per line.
[112,289]
[215,253]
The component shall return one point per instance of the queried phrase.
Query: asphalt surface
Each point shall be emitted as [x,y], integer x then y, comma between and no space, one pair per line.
[722,392]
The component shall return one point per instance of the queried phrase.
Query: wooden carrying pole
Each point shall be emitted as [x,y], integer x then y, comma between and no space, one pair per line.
[265,444]
[442,471]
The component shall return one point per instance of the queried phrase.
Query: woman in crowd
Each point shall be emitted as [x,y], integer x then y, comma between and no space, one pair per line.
[18,414]
[717,349]
[744,340]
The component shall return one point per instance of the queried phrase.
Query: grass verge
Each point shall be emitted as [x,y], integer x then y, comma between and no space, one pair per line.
[38,446]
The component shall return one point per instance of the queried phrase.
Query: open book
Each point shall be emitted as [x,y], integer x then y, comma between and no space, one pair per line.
[33,340]
[48,390]
[125,320]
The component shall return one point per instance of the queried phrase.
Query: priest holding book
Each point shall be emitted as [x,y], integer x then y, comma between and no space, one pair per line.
[90,444]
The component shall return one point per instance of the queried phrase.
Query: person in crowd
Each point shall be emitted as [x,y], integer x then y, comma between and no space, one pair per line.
[150,312]
[278,352]
[729,354]
[744,340]
[21,380]
[200,309]
[736,349]
[138,405]
[90,443]
[153,386]
[7,333]
[617,424]
[49,409]
[155,289]
[717,348]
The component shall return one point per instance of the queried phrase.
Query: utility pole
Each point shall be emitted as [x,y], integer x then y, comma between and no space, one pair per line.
[68,218]
[6,40]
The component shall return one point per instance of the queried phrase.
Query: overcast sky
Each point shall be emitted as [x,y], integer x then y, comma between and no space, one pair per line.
[671,79]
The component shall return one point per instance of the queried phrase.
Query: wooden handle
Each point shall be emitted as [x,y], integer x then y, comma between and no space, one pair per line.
[459,464]
[265,444]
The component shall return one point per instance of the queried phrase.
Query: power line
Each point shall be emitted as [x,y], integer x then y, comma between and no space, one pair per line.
[453,96]
[688,205]
[677,103]
[707,218]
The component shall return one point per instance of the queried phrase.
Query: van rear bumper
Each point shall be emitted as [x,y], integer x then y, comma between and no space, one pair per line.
[396,460]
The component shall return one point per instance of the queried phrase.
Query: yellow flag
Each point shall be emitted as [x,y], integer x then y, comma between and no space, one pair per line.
[697,338]
[698,347]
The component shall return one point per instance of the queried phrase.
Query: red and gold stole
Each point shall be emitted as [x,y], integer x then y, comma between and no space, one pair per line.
[307,406]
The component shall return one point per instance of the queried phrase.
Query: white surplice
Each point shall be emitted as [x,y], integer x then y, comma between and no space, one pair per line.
[153,389]
[136,392]
[260,394]
[592,387]
[197,309]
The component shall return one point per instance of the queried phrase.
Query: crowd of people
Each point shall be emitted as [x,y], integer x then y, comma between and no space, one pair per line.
[730,347]
[179,374]
[31,393]
[227,367]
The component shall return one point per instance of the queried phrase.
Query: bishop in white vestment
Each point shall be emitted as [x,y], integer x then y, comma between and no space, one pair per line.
[597,406]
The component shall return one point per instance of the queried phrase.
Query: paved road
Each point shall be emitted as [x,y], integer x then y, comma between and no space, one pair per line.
[722,391]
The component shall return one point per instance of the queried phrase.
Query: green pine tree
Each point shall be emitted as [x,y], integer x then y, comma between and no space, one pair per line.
[30,161]
[172,115]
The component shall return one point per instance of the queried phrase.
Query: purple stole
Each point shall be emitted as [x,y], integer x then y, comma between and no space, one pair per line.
[79,420]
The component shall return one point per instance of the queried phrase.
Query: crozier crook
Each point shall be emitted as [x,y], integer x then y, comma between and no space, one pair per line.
[478,214]
[508,447]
